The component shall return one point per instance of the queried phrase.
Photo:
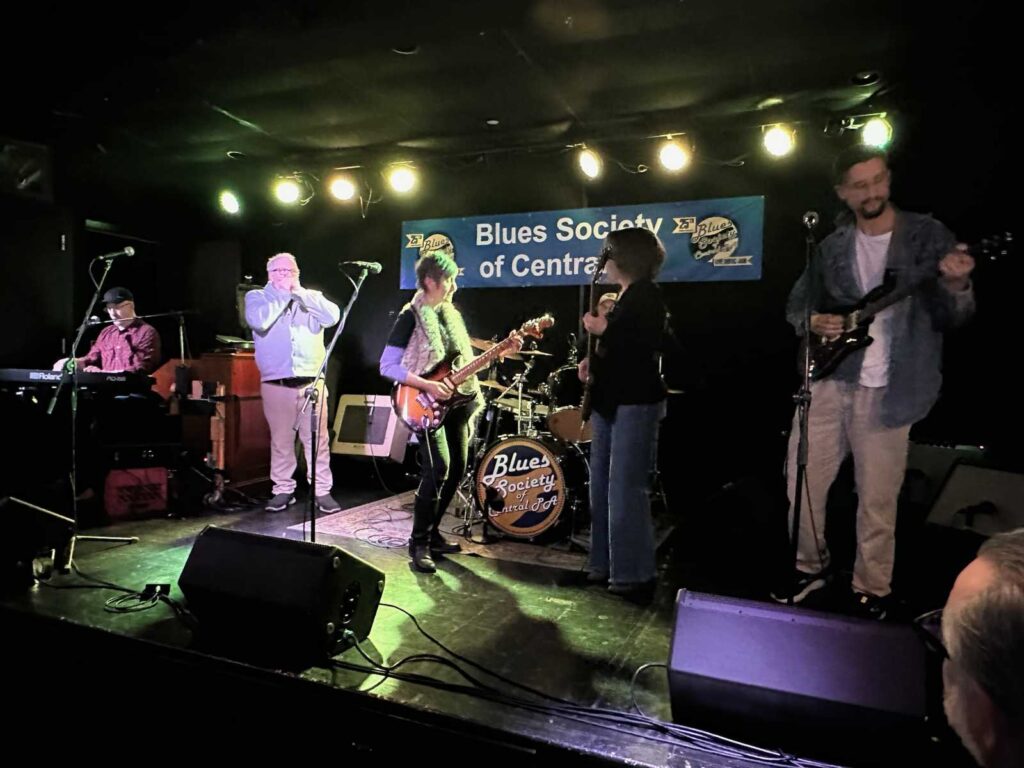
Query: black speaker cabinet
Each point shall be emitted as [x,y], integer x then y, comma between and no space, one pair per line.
[277,600]
[814,682]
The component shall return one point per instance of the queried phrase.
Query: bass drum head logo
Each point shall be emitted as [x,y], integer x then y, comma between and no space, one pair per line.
[521,486]
[714,238]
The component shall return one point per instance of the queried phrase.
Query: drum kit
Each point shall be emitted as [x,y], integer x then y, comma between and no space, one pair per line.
[528,469]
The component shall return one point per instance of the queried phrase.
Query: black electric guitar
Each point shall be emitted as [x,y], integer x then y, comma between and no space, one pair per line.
[828,353]
[586,404]
[421,411]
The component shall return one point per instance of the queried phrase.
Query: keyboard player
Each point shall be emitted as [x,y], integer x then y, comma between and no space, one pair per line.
[128,344]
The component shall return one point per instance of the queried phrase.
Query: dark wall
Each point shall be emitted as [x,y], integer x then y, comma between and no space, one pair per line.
[37,251]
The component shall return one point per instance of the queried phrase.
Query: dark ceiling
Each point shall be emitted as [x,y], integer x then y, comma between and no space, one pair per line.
[153,96]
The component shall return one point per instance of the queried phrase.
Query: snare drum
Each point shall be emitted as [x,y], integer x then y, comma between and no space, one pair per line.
[525,483]
[565,419]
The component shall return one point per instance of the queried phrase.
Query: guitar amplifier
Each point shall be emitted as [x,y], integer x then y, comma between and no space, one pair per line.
[366,425]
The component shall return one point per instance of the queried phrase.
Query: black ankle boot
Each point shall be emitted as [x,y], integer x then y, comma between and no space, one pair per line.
[439,545]
[421,559]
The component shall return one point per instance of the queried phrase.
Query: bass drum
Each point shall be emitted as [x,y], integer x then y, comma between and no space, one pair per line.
[565,418]
[523,484]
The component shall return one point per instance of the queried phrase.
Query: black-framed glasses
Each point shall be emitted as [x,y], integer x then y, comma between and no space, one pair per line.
[929,628]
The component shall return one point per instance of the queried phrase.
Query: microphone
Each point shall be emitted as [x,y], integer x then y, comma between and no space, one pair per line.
[373,267]
[94,320]
[126,251]
[811,219]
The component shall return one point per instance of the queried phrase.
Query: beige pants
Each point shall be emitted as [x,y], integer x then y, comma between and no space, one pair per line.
[845,417]
[281,406]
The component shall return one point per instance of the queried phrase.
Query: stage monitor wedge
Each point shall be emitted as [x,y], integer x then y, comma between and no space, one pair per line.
[811,682]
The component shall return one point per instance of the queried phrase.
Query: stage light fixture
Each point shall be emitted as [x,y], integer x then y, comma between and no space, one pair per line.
[589,162]
[674,155]
[779,140]
[402,178]
[229,202]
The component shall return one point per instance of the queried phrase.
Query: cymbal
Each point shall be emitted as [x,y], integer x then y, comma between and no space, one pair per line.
[534,353]
[484,344]
[511,405]
[511,393]
[675,391]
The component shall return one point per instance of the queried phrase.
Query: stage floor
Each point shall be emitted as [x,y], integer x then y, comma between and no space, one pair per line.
[534,623]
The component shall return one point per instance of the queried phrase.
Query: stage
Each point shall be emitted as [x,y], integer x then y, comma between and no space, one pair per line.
[548,661]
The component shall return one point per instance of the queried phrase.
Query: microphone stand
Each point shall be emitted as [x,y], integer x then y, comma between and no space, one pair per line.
[312,402]
[180,379]
[168,313]
[71,369]
[803,403]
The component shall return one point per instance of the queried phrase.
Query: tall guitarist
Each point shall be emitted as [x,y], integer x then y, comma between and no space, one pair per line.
[428,330]
[874,396]
[626,396]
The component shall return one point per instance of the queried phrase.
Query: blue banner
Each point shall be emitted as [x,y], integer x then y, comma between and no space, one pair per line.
[705,240]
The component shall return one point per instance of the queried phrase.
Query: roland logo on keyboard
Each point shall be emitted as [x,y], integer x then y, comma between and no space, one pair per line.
[85,378]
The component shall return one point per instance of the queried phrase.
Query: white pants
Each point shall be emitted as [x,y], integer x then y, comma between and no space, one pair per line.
[846,417]
[281,406]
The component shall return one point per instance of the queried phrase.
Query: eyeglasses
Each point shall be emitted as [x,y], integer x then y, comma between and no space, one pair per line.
[283,271]
[929,629]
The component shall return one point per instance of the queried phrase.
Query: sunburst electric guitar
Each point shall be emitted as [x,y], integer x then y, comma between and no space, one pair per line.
[422,412]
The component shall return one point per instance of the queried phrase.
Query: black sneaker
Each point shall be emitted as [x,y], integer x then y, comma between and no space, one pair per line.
[327,503]
[280,502]
[801,587]
[870,606]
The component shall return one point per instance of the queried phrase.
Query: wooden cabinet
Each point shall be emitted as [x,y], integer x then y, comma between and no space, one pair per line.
[228,420]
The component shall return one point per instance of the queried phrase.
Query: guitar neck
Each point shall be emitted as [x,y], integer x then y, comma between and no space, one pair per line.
[479,362]
[874,307]
[977,250]
[591,339]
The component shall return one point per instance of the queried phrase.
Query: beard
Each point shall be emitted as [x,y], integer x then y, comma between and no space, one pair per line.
[872,209]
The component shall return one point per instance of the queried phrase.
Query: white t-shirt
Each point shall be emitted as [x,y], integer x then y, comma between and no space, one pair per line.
[872,254]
